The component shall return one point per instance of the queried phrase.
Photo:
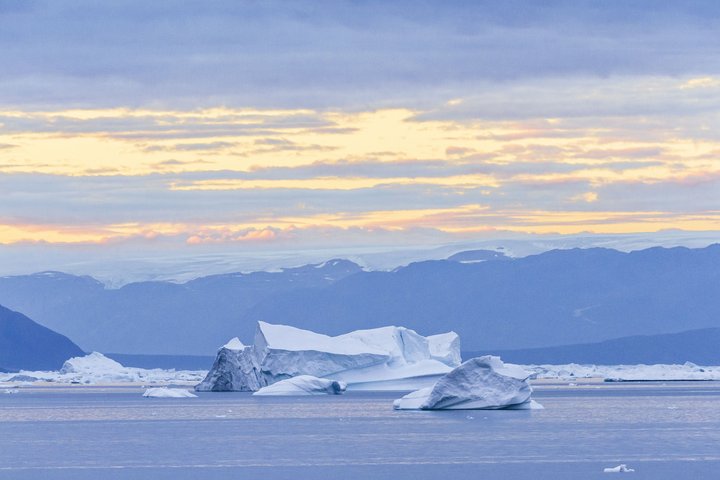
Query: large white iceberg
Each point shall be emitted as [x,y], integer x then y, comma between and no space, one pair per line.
[382,358]
[304,385]
[480,383]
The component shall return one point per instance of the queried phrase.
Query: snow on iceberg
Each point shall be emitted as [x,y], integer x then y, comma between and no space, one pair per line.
[304,385]
[380,358]
[480,383]
[164,392]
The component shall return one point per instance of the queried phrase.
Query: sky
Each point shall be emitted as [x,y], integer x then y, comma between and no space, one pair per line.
[197,127]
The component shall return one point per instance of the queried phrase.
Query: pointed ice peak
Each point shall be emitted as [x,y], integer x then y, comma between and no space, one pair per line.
[235,344]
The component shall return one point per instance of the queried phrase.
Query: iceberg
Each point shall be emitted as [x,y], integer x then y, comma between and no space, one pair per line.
[164,392]
[480,383]
[304,385]
[95,368]
[382,358]
[92,363]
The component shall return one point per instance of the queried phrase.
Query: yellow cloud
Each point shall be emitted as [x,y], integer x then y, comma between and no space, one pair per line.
[461,221]
[492,155]
[700,82]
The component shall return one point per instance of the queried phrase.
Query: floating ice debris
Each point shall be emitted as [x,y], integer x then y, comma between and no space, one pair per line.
[627,373]
[164,392]
[96,368]
[622,468]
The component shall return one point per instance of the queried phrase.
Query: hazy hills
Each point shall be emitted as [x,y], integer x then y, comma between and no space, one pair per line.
[561,297]
[556,298]
[157,317]
[26,345]
[697,346]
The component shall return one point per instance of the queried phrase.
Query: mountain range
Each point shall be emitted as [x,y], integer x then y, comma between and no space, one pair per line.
[495,303]
[697,346]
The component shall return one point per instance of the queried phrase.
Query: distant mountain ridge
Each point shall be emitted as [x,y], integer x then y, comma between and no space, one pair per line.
[25,345]
[495,303]
[158,317]
[696,346]
[560,297]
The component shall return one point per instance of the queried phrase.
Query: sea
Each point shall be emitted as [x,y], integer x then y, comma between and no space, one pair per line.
[659,430]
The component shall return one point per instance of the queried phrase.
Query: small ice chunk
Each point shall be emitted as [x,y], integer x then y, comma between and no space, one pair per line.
[164,392]
[622,468]
[304,385]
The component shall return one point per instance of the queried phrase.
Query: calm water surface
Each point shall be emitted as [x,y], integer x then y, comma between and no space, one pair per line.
[661,430]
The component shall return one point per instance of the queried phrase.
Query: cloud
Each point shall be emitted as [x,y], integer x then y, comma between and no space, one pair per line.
[164,125]
[580,97]
[230,236]
[190,147]
[345,54]
[269,122]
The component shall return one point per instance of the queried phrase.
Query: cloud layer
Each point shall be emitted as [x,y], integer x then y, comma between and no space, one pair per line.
[321,124]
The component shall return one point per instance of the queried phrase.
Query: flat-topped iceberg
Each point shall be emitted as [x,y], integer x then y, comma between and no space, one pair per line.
[480,383]
[304,385]
[380,358]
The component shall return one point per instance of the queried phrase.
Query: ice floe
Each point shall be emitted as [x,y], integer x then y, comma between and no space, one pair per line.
[622,468]
[304,385]
[686,371]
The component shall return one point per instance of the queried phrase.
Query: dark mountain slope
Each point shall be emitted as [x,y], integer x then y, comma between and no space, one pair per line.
[25,345]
